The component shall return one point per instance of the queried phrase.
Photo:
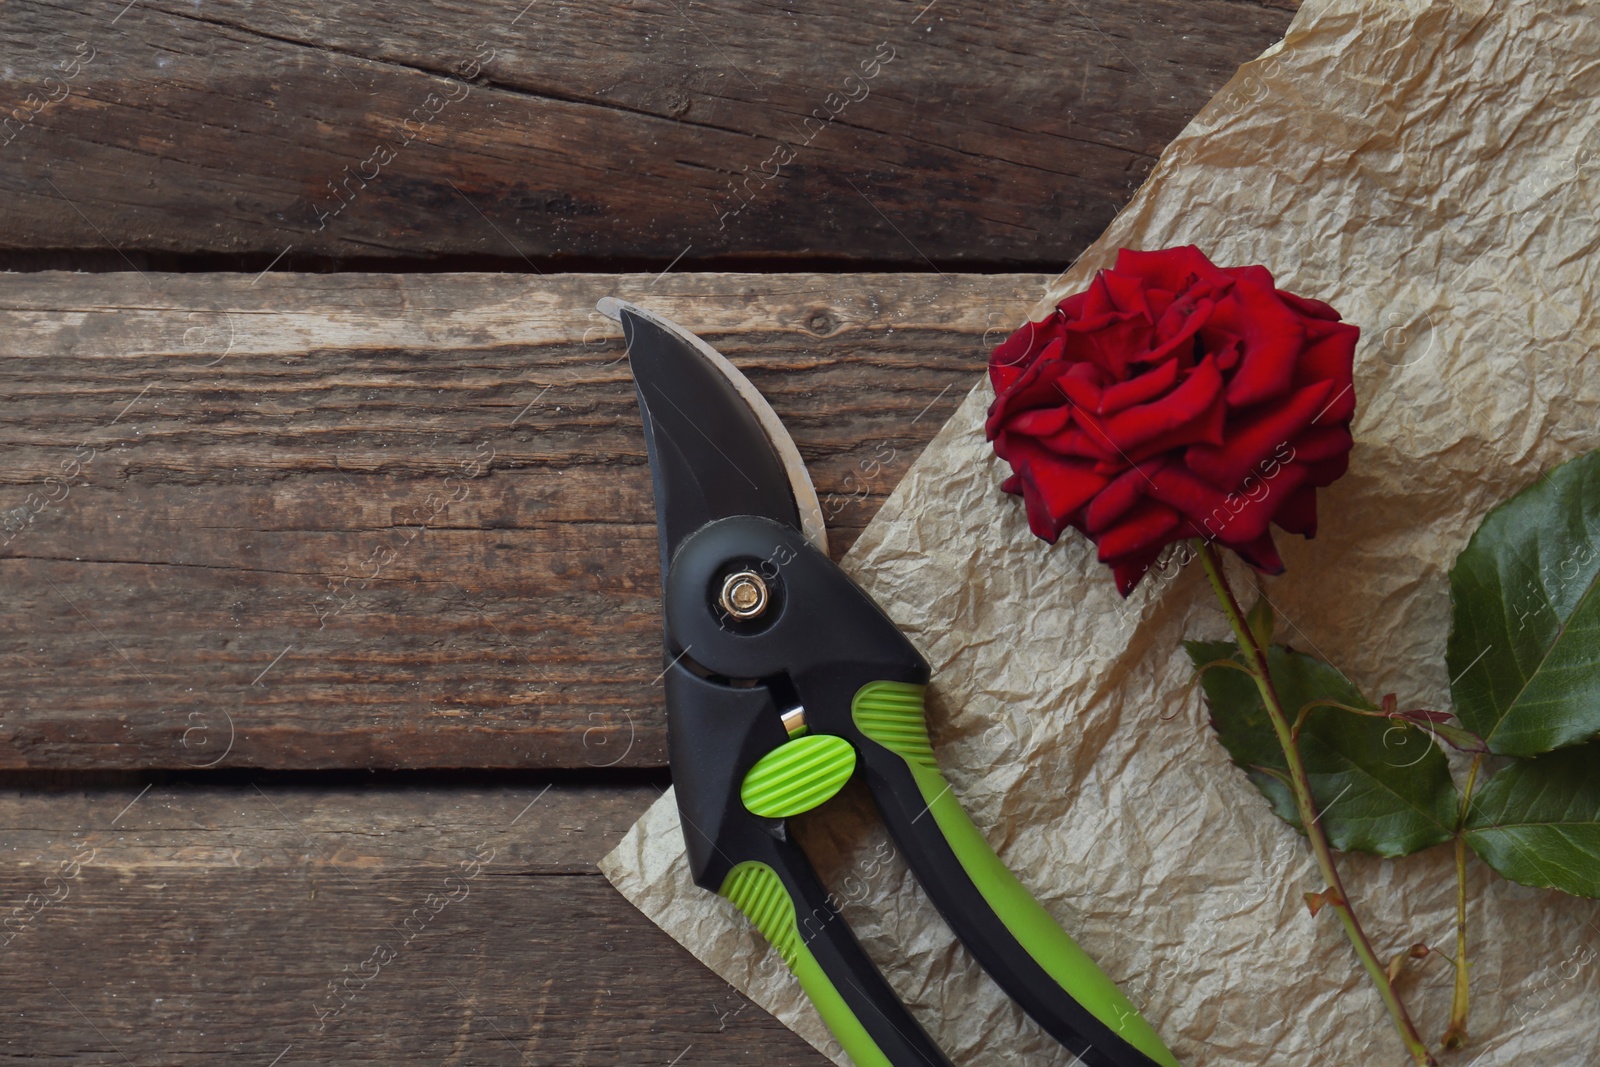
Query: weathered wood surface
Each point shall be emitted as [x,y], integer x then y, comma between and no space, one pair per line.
[397,521]
[985,134]
[200,925]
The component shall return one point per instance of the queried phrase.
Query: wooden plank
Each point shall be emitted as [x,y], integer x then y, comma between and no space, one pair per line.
[577,135]
[191,925]
[397,521]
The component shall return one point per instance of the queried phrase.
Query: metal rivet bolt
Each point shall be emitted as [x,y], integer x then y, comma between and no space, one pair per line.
[744,595]
[794,721]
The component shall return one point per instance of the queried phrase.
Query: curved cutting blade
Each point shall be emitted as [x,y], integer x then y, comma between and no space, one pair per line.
[716,446]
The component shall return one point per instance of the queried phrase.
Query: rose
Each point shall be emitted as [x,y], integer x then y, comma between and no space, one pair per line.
[1175,399]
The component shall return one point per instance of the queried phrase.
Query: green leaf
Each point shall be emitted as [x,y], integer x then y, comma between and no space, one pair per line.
[1458,737]
[1538,821]
[1262,621]
[1381,784]
[1524,644]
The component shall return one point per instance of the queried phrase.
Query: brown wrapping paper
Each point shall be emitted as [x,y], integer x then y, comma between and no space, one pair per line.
[1432,169]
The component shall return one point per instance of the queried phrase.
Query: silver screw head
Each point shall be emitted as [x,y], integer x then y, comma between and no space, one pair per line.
[744,595]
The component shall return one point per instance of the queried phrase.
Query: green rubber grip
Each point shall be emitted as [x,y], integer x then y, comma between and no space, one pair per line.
[892,714]
[798,776]
[756,890]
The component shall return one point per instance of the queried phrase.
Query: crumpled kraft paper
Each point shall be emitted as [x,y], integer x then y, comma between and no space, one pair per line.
[1432,169]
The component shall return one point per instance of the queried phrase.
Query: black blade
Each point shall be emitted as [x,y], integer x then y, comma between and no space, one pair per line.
[709,455]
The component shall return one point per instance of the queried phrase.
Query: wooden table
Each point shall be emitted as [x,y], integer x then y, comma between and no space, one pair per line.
[328,569]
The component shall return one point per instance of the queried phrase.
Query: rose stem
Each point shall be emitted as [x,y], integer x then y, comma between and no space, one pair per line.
[1307,806]
[1456,1035]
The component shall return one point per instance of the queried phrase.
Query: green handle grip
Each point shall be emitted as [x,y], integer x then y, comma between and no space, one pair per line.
[1022,947]
[789,906]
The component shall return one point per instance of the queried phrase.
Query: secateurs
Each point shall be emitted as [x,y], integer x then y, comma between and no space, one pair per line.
[784,680]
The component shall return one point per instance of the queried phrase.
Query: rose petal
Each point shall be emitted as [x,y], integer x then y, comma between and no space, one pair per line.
[1127,294]
[1146,386]
[1249,442]
[1261,554]
[1080,389]
[1018,351]
[1314,309]
[1041,422]
[1100,304]
[1011,448]
[1319,443]
[1034,388]
[1159,300]
[1054,488]
[1075,441]
[1095,428]
[1113,343]
[1134,426]
[1330,355]
[1168,268]
[1115,500]
[1131,568]
[1245,513]
[1176,330]
[1227,356]
[1328,471]
[1082,370]
[1146,526]
[1298,512]
[1206,429]
[1254,273]
[1193,497]
[1271,337]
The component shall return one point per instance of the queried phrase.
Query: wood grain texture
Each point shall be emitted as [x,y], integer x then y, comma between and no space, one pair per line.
[639,131]
[198,925]
[399,521]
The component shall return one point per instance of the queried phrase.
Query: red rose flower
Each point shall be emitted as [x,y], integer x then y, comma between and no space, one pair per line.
[1175,399]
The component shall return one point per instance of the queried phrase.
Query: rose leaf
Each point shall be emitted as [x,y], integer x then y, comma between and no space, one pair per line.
[1524,646]
[1538,821]
[1381,784]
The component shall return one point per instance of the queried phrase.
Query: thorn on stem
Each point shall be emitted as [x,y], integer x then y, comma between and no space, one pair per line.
[1317,901]
[1419,951]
